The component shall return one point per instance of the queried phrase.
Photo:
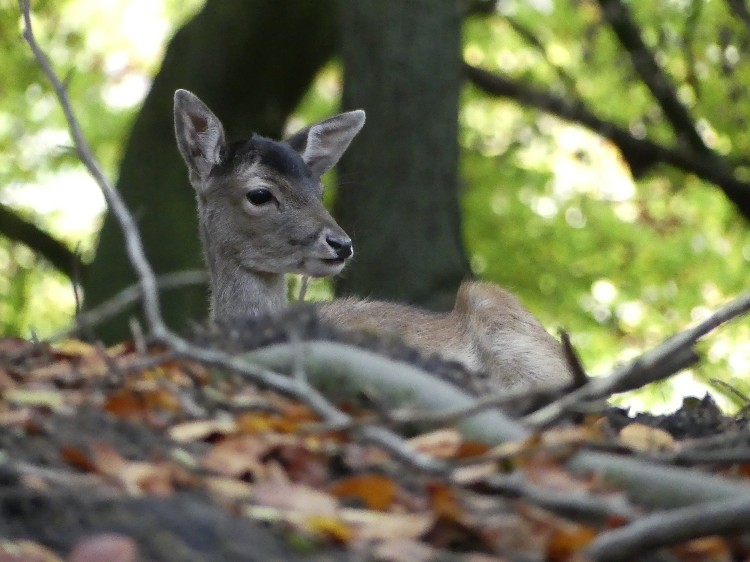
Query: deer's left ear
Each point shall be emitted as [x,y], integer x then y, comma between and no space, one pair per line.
[200,135]
[322,144]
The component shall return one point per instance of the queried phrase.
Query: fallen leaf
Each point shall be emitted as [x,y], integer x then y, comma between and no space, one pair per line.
[236,456]
[26,551]
[14,417]
[376,525]
[404,550]
[469,449]
[124,403]
[644,439]
[713,549]
[77,458]
[444,501]
[373,491]
[564,543]
[443,443]
[111,547]
[294,497]
[227,489]
[331,527]
[135,477]
[200,430]
[51,399]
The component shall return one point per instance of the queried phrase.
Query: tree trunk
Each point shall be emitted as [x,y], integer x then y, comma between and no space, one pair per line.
[398,182]
[251,62]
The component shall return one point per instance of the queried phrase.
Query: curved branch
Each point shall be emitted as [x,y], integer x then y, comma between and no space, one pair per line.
[658,83]
[641,154]
[55,252]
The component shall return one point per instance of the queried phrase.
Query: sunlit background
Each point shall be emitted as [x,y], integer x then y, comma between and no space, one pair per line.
[550,209]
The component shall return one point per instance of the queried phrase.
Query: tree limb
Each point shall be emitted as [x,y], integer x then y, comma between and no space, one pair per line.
[641,154]
[627,32]
[661,529]
[670,356]
[55,252]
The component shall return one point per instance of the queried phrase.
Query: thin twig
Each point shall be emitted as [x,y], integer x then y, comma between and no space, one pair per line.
[122,300]
[660,362]
[133,243]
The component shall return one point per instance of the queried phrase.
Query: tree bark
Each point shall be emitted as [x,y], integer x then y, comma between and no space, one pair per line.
[251,62]
[398,182]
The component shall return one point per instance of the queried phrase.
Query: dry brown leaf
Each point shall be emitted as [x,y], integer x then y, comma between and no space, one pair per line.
[237,455]
[705,549]
[331,527]
[26,551]
[18,416]
[199,430]
[444,502]
[302,465]
[647,439]
[124,403]
[374,491]
[75,457]
[443,443]
[6,380]
[376,525]
[403,550]
[111,547]
[294,498]
[227,489]
[565,542]
[135,477]
[474,473]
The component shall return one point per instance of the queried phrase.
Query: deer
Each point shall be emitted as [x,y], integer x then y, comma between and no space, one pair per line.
[261,217]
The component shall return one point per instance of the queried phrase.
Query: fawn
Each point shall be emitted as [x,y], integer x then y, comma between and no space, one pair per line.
[261,216]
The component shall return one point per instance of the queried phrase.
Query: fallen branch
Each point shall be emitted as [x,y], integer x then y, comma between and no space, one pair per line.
[661,529]
[659,363]
[55,252]
[347,370]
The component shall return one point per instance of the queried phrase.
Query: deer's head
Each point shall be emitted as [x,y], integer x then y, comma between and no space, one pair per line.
[259,200]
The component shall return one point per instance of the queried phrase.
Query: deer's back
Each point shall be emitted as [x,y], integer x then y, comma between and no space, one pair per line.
[488,330]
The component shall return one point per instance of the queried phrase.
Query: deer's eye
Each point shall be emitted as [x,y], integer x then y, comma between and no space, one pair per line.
[259,196]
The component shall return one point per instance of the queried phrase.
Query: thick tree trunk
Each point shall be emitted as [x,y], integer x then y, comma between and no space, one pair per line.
[251,61]
[398,182]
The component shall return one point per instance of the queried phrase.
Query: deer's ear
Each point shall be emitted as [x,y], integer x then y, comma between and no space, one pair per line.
[200,135]
[322,144]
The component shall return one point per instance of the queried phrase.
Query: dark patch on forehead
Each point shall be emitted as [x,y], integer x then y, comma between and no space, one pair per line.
[276,155]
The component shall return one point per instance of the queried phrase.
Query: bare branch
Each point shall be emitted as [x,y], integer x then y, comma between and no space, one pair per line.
[127,297]
[664,360]
[663,529]
[641,154]
[55,252]
[133,243]
[627,32]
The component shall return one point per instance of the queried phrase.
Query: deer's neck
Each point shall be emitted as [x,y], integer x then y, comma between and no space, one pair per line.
[238,292]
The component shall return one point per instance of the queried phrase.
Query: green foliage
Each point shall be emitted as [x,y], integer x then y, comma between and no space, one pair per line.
[552,212]
[107,57]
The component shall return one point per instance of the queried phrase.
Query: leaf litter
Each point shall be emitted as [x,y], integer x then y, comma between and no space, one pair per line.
[139,430]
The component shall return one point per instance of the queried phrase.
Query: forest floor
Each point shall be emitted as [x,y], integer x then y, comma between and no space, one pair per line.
[123,454]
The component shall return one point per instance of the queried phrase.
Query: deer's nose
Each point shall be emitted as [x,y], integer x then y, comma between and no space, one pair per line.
[342,246]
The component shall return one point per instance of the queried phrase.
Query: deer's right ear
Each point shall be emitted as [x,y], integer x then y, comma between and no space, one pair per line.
[200,135]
